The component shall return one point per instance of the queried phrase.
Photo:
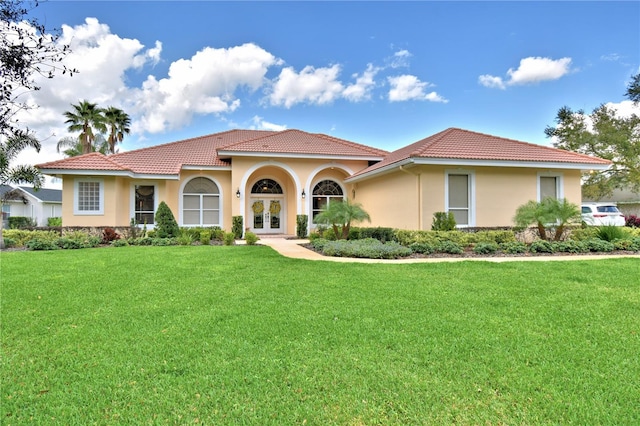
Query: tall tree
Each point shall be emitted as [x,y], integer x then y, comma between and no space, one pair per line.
[18,174]
[26,49]
[118,123]
[606,135]
[87,119]
[633,89]
[72,147]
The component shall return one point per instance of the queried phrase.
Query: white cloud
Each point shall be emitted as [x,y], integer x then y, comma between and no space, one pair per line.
[204,84]
[409,87]
[531,70]
[625,108]
[400,59]
[260,124]
[311,85]
[361,89]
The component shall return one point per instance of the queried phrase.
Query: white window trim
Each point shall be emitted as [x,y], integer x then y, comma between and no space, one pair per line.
[220,202]
[559,184]
[76,197]
[132,199]
[472,194]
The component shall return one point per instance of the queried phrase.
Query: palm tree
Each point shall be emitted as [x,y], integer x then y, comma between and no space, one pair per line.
[547,215]
[72,147]
[340,215]
[9,150]
[87,119]
[118,122]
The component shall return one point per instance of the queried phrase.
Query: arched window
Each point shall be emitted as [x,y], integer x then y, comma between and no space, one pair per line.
[201,203]
[266,186]
[323,193]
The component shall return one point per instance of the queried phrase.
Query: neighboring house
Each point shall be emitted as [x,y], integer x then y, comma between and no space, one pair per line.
[270,177]
[38,205]
[628,202]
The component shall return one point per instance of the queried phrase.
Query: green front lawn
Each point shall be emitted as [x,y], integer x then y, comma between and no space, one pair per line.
[241,335]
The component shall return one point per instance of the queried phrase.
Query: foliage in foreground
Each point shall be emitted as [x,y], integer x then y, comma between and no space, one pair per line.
[224,335]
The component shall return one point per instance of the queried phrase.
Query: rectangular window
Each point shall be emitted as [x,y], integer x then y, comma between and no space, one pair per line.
[89,197]
[549,186]
[145,204]
[459,198]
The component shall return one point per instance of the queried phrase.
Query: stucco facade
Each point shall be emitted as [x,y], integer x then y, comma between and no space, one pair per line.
[269,178]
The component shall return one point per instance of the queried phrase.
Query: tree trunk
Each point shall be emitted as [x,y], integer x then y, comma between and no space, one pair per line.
[542,231]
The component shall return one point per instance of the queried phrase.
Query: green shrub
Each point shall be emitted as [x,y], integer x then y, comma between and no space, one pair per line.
[302,222]
[229,239]
[635,244]
[571,246]
[163,241]
[498,237]
[205,237]
[379,233]
[186,238]
[22,236]
[69,243]
[21,222]
[314,236]
[610,233]
[41,244]
[120,243]
[422,248]
[597,245]
[443,221]
[250,238]
[541,246]
[166,225]
[141,241]
[486,248]
[583,234]
[319,243]
[513,247]
[217,233]
[236,228]
[9,242]
[54,221]
[369,248]
[449,247]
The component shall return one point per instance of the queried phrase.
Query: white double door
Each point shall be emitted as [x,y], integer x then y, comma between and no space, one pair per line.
[266,214]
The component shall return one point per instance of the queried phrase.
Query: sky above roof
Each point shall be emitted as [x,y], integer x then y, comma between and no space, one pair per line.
[384,74]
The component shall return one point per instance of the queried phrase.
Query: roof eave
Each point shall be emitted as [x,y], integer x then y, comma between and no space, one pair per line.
[478,163]
[222,154]
[89,172]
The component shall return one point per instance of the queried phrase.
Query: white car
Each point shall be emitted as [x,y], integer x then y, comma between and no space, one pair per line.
[598,214]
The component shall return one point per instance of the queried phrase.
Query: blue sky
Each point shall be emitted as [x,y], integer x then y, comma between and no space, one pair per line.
[384,74]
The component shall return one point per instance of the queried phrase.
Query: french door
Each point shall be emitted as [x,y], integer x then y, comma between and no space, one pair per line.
[267,215]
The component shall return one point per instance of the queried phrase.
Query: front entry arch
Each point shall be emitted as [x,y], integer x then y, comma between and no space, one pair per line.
[267,207]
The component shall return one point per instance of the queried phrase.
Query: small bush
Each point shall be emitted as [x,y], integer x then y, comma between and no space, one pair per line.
[66,243]
[319,243]
[217,233]
[54,222]
[163,241]
[583,234]
[485,248]
[109,235]
[449,247]
[514,247]
[443,221]
[41,244]
[205,237]
[141,241]
[185,239]
[369,248]
[571,246]
[635,244]
[302,222]
[632,221]
[597,245]
[381,234]
[236,228]
[9,242]
[120,243]
[610,233]
[229,239]
[541,246]
[422,248]
[166,225]
[21,222]
[250,238]
[22,236]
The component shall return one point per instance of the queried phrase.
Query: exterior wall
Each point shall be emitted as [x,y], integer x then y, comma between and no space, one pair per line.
[392,200]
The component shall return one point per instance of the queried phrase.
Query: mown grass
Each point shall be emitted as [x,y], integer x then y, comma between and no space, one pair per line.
[241,335]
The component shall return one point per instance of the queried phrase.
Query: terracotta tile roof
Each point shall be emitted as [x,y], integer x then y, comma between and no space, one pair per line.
[298,142]
[458,144]
[92,161]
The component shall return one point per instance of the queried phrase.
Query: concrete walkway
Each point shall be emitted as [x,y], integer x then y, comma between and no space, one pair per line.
[294,250]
